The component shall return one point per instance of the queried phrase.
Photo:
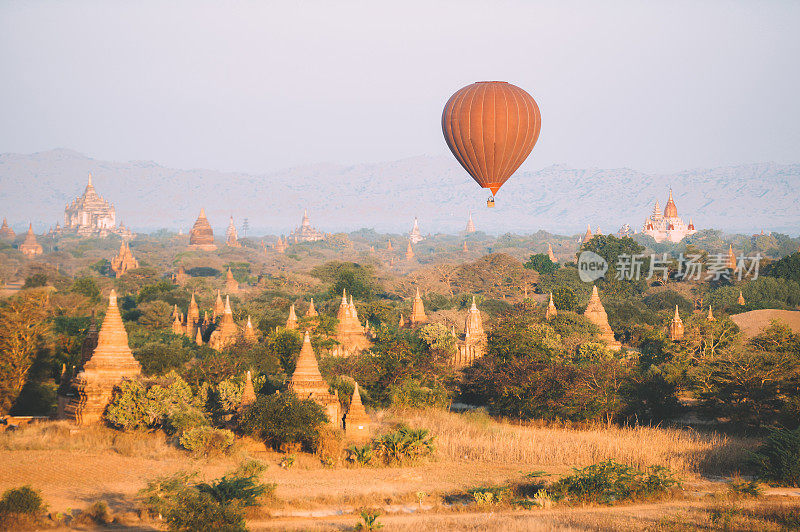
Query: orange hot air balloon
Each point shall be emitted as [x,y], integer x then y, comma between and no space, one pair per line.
[491,128]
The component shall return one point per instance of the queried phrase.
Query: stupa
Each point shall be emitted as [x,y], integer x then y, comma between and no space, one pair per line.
[597,315]
[470,225]
[250,332]
[281,245]
[30,247]
[219,306]
[551,311]
[676,327]
[192,317]
[306,233]
[224,335]
[124,260]
[231,236]
[710,316]
[201,237]
[111,362]
[307,383]
[409,252]
[231,284]
[389,246]
[177,325]
[417,311]
[6,233]
[349,331]
[415,236]
[249,393]
[291,321]
[730,260]
[311,312]
[464,247]
[356,422]
[550,254]
[588,235]
[473,344]
[741,298]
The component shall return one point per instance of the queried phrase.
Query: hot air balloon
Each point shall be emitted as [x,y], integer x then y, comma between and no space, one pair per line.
[491,128]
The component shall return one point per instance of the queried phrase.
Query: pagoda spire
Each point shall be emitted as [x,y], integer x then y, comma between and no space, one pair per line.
[291,322]
[249,393]
[311,312]
[551,311]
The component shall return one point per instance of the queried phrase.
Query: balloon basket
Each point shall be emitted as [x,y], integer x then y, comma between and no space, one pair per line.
[490,202]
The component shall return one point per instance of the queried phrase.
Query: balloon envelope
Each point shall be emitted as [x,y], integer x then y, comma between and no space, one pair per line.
[491,128]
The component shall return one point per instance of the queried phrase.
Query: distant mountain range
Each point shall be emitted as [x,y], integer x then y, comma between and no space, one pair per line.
[387,196]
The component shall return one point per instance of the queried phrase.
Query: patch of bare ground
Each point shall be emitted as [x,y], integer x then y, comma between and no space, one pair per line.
[753,322]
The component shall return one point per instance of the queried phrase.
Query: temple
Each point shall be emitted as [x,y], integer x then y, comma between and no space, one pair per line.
[551,311]
[91,215]
[350,333]
[227,332]
[180,277]
[356,422]
[312,311]
[470,225]
[231,284]
[472,345]
[6,233]
[110,363]
[307,383]
[201,237]
[710,316]
[306,233]
[667,226]
[597,315]
[676,327]
[291,321]
[124,260]
[588,235]
[231,236]
[250,335]
[417,311]
[409,252]
[415,236]
[30,247]
[550,254]
[730,258]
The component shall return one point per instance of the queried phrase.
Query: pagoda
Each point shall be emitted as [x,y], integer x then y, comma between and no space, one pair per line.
[415,236]
[551,311]
[597,315]
[192,317]
[710,316]
[30,247]
[231,236]
[676,327]
[181,277]
[219,306]
[307,383]
[409,252]
[588,235]
[356,421]
[6,233]
[231,284]
[201,237]
[111,362]
[472,345]
[250,332]
[741,299]
[550,254]
[667,226]
[91,215]
[417,311]
[291,321]
[306,233]
[349,332]
[249,393]
[224,335]
[470,225]
[124,260]
[464,247]
[389,246]
[281,245]
[730,259]
[177,325]
[311,312]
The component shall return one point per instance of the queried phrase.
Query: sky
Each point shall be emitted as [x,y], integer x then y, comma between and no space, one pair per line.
[261,86]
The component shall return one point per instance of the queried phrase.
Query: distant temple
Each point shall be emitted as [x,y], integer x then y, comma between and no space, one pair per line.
[588,235]
[409,252]
[356,421]
[415,236]
[470,225]
[227,332]
[231,284]
[550,254]
[551,311]
[231,236]
[124,260]
[6,233]
[676,327]
[667,226]
[306,233]
[30,247]
[472,345]
[350,333]
[596,313]
[110,363]
[91,215]
[418,315]
[291,321]
[202,236]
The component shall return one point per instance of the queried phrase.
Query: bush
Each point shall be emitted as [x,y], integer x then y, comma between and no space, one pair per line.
[778,460]
[412,394]
[282,419]
[24,500]
[207,441]
[403,445]
[610,482]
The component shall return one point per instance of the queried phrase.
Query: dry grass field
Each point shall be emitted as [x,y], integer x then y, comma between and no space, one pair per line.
[753,322]
[76,467]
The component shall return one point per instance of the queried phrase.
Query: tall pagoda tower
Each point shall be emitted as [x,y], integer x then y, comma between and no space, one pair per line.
[596,313]
[307,383]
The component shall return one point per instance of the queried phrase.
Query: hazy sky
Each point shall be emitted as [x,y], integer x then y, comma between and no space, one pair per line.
[258,86]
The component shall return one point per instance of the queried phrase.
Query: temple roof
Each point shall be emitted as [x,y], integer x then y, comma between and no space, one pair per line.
[670,211]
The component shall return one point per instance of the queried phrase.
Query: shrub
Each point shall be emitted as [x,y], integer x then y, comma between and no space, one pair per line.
[207,441]
[283,419]
[745,488]
[369,519]
[403,445]
[490,494]
[610,482]
[778,460]
[24,500]
[412,393]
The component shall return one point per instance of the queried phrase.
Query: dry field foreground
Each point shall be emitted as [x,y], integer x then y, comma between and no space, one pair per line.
[76,468]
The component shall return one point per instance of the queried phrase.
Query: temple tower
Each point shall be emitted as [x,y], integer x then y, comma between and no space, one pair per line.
[124,260]
[231,284]
[219,306]
[311,312]
[30,247]
[588,235]
[356,422]
[551,311]
[676,327]
[201,236]
[224,335]
[307,383]
[231,236]
[409,252]
[597,315]
[550,254]
[291,322]
[470,225]
[6,233]
[417,311]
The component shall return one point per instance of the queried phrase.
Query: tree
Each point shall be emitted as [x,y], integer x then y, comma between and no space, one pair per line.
[564,298]
[86,286]
[541,263]
[788,268]
[23,326]
[283,419]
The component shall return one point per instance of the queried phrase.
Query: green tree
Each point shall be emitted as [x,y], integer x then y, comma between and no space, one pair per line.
[541,263]
[283,419]
[88,287]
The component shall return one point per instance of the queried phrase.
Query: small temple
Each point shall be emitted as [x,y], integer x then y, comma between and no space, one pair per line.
[710,316]
[6,233]
[291,321]
[350,333]
[470,225]
[231,284]
[281,245]
[356,421]
[306,233]
[219,306]
[91,215]
[417,311]
[227,332]
[409,252]
[248,393]
[192,318]
[250,335]
[472,345]
[307,383]
[588,235]
[30,247]
[596,313]
[730,258]
[311,312]
[180,277]
[740,300]
[110,363]
[551,311]
[124,260]
[676,327]
[550,254]
[415,236]
[667,226]
[201,237]
[231,236]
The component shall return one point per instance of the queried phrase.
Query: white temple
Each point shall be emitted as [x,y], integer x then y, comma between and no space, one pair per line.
[415,236]
[91,215]
[306,233]
[667,226]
